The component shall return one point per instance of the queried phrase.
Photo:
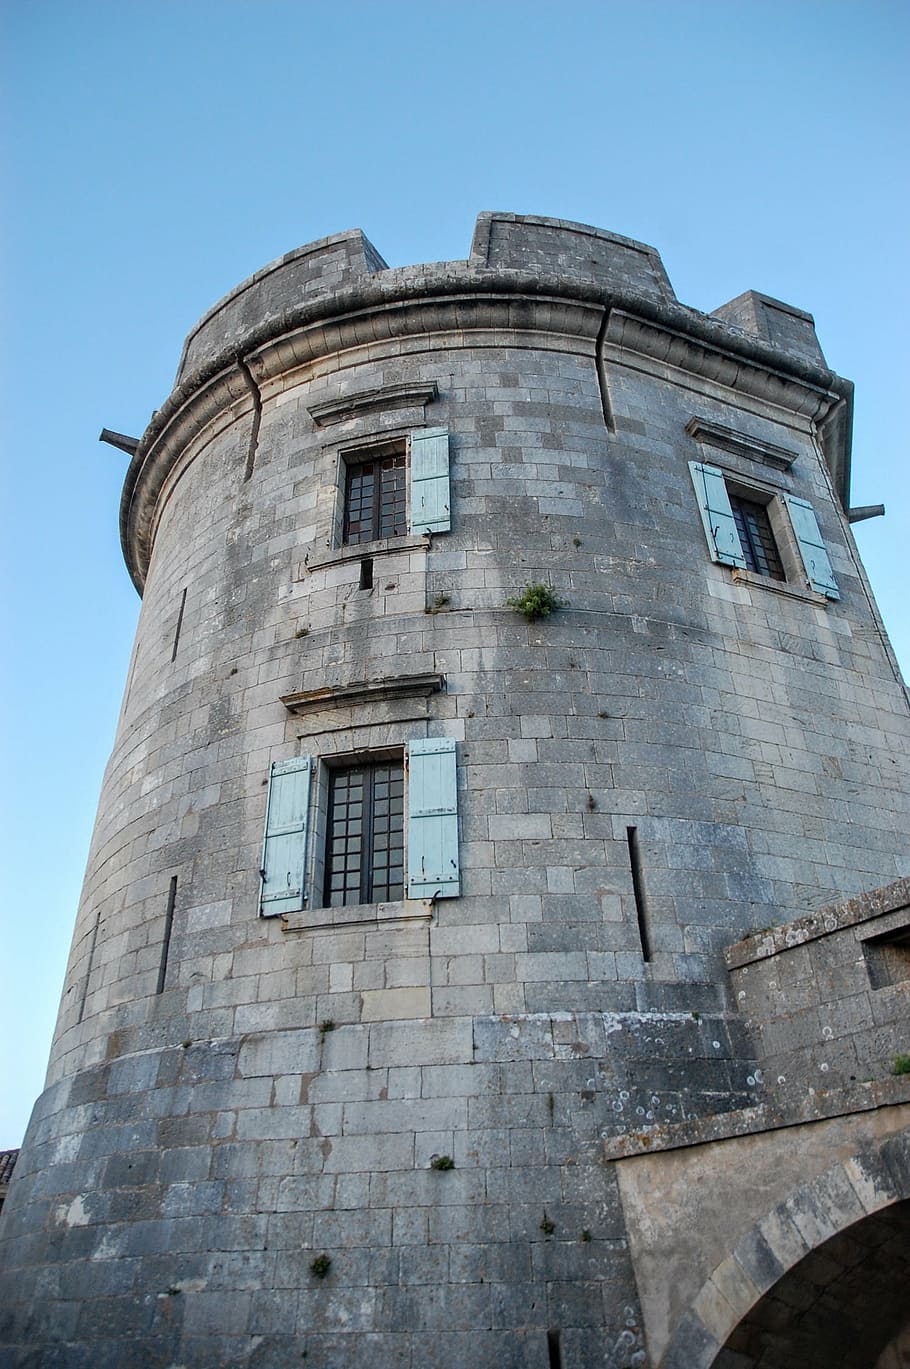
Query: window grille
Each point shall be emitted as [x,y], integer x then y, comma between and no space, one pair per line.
[756,538]
[375,501]
[365,845]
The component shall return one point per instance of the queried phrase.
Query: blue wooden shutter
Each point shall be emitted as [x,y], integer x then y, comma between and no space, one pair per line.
[432,819]
[716,515]
[811,547]
[430,510]
[284,846]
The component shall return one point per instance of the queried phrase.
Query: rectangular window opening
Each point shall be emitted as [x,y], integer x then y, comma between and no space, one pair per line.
[364,860]
[366,573]
[756,537]
[554,1350]
[638,890]
[763,532]
[888,958]
[375,496]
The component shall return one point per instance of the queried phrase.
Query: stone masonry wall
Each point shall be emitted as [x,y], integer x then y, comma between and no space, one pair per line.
[828,996]
[231,1096]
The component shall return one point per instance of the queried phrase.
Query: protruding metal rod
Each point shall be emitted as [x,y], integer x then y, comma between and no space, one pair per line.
[126,444]
[865,511]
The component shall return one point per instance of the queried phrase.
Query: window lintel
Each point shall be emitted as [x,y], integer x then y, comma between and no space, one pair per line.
[364,691]
[741,444]
[415,394]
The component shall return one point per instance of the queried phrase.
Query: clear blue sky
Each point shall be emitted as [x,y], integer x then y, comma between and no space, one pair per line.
[156,152]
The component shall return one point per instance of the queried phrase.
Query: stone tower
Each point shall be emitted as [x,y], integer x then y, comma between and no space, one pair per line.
[457,987]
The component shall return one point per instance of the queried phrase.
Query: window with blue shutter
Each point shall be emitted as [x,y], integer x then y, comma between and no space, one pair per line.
[717,515]
[364,860]
[430,496]
[756,537]
[739,531]
[811,547]
[284,846]
[375,499]
[432,819]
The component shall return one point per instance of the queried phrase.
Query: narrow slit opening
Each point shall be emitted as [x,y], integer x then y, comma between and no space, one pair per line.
[638,890]
[168,927]
[179,625]
[366,573]
[600,366]
[257,420]
[554,1351]
[88,972]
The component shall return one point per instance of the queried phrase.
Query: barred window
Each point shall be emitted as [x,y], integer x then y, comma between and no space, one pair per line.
[359,822]
[742,532]
[756,538]
[375,499]
[365,840]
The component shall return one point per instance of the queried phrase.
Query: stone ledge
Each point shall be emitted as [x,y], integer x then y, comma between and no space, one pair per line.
[386,397]
[364,691]
[740,444]
[789,591]
[320,919]
[815,1107]
[358,551]
[827,920]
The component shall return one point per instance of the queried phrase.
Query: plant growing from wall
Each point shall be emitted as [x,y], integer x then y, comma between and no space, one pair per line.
[321,1266]
[536,601]
[442,1162]
[900,1064]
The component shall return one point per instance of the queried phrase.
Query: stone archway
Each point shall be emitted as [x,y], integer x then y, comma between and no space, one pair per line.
[820,1281]
[842,1305]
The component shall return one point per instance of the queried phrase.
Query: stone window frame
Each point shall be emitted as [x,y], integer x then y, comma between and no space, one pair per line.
[755,489]
[771,499]
[738,457]
[370,764]
[329,547]
[336,751]
[349,459]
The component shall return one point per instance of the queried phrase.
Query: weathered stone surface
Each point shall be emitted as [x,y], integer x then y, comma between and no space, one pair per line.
[678,755]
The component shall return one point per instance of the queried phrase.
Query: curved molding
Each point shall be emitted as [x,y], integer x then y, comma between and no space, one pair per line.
[456,299]
[720,364]
[874,1178]
[152,464]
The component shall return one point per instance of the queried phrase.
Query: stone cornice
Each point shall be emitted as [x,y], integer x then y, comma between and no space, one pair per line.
[715,360]
[457,298]
[367,401]
[741,444]
[363,691]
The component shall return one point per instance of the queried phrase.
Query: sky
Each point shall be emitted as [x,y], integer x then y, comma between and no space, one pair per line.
[157,152]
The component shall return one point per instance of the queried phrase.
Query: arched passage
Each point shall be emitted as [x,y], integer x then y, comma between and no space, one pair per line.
[841,1305]
[819,1283]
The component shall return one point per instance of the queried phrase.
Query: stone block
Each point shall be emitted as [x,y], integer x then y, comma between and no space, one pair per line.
[383,1005]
